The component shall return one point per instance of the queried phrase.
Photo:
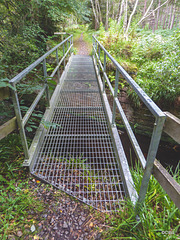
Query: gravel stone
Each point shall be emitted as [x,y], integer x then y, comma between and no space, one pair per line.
[65,225]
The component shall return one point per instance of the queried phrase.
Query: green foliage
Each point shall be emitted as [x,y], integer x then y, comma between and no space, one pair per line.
[26,26]
[152,59]
[16,197]
[48,124]
[158,60]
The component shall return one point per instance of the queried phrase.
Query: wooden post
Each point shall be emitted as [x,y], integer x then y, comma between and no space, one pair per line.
[172,126]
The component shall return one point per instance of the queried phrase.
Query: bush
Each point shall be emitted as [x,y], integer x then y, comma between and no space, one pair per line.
[152,59]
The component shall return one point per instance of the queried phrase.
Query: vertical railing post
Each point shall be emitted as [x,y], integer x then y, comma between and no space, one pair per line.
[95,51]
[19,121]
[63,55]
[93,47]
[99,54]
[72,44]
[115,95]
[155,139]
[104,70]
[71,41]
[57,61]
[62,37]
[67,47]
[46,83]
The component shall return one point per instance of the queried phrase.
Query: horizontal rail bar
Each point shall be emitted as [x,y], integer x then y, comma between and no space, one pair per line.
[167,182]
[144,97]
[61,33]
[33,105]
[8,127]
[18,77]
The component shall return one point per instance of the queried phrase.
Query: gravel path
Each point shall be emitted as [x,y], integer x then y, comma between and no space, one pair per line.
[64,218]
[82,46]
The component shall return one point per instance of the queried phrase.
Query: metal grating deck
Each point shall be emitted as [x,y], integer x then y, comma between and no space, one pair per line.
[77,153]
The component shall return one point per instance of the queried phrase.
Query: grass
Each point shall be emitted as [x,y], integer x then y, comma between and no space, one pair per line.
[159,218]
[16,197]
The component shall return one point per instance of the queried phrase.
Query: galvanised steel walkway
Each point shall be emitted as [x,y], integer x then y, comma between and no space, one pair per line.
[78,155]
[80,151]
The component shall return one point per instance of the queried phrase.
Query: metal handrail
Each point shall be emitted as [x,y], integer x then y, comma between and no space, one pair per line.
[160,117]
[22,121]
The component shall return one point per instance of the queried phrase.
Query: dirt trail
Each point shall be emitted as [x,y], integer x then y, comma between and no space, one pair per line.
[82,47]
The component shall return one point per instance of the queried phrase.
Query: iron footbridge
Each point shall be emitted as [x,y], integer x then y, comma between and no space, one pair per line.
[80,152]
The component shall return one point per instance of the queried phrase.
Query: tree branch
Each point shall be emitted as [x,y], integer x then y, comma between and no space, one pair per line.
[145,15]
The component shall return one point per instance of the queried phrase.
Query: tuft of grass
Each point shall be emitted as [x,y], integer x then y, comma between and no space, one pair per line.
[16,196]
[159,217]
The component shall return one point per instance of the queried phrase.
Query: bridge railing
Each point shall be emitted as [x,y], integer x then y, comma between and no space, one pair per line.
[160,117]
[67,46]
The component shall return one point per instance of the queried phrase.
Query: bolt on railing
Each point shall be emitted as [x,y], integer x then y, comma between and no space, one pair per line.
[22,121]
[160,117]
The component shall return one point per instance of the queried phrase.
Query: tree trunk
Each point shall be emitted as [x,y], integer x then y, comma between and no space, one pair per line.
[130,18]
[99,10]
[121,11]
[171,12]
[113,11]
[107,14]
[161,18]
[95,16]
[125,15]
[157,18]
[173,15]
[165,16]
[153,22]
[144,10]
[177,20]
[147,15]
[167,19]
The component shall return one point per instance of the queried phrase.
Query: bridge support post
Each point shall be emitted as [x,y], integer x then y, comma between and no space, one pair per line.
[104,71]
[20,121]
[71,43]
[99,54]
[115,95]
[63,55]
[155,139]
[57,61]
[95,52]
[67,47]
